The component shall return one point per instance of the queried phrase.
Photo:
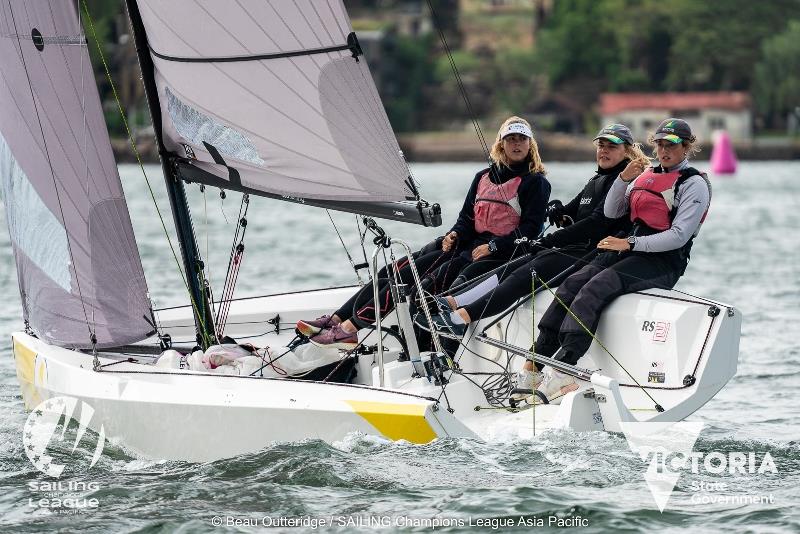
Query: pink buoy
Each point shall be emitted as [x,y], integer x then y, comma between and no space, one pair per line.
[723,159]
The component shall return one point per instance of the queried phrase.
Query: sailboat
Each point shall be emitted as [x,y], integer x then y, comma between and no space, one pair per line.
[272,99]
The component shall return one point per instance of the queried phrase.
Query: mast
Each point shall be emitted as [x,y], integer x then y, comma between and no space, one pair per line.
[190,253]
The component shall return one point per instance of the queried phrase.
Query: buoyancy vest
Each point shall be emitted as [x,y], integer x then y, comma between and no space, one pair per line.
[594,193]
[652,197]
[497,209]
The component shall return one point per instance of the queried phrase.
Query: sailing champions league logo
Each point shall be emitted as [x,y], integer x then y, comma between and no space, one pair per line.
[55,420]
[668,450]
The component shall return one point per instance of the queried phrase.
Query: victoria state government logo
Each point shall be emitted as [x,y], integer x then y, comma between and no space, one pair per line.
[55,423]
[668,450]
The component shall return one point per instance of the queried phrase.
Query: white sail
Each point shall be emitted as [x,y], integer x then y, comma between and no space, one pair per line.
[78,267]
[274,97]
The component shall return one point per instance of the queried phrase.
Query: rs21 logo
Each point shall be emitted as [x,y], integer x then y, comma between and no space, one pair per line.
[660,329]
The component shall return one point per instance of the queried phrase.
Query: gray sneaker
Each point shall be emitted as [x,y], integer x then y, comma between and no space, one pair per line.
[527,380]
[554,386]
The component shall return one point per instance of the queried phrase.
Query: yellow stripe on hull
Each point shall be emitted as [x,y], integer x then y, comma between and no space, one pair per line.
[396,421]
[28,373]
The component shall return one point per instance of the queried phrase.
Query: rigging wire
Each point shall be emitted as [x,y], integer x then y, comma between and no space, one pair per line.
[234,265]
[459,81]
[206,232]
[349,257]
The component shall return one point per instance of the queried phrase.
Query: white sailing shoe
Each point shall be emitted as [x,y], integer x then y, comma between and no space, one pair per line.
[526,380]
[554,386]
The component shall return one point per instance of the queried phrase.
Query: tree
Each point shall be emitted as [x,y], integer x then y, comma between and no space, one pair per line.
[717,44]
[777,86]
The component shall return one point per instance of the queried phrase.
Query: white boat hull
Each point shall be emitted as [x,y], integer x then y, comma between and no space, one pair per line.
[200,416]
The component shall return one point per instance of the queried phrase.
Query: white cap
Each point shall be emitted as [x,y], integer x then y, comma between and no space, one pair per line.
[516,128]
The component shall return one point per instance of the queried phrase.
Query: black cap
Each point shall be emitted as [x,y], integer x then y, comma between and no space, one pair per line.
[675,130]
[616,133]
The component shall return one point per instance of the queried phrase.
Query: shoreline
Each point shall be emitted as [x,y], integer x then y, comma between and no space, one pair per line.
[433,147]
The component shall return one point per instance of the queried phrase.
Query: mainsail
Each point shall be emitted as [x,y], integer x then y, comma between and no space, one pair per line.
[274,98]
[78,267]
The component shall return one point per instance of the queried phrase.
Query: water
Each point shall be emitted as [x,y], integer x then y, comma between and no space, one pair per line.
[747,256]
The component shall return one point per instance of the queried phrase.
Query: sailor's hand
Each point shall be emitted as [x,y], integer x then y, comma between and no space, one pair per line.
[614,243]
[480,252]
[631,171]
[555,213]
[449,240]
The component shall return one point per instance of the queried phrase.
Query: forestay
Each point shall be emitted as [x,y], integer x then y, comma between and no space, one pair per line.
[272,97]
[78,267]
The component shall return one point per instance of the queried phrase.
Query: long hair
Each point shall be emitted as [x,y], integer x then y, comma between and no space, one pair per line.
[499,156]
[635,153]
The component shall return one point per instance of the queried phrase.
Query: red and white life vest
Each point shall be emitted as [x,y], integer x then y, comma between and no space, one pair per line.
[497,208]
[652,197]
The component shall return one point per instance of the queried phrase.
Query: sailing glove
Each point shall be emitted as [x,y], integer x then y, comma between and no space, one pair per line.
[555,213]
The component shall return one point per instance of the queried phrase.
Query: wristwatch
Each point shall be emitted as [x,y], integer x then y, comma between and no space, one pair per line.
[631,241]
[492,246]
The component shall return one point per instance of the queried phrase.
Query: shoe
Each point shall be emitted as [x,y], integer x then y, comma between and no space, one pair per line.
[444,306]
[441,322]
[310,328]
[554,386]
[526,380]
[335,337]
[435,304]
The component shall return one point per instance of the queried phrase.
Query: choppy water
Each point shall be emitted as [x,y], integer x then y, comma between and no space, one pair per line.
[747,256]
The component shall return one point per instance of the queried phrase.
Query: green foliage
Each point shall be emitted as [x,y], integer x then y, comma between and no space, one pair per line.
[651,45]
[405,71]
[578,41]
[719,43]
[515,72]
[777,88]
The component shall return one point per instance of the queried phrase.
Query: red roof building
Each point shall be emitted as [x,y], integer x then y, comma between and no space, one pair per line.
[705,112]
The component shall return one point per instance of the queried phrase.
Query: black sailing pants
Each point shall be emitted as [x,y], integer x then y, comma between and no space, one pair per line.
[436,268]
[516,283]
[591,289]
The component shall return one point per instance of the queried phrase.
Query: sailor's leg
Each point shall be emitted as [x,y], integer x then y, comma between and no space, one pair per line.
[362,300]
[483,266]
[634,272]
[547,341]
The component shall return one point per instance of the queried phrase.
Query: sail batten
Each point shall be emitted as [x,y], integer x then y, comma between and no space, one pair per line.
[273,97]
[79,271]
[253,57]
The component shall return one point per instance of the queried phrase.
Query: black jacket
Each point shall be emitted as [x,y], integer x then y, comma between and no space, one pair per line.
[533,194]
[586,210]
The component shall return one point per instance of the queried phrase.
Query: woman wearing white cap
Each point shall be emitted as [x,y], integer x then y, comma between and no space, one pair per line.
[506,201]
[667,205]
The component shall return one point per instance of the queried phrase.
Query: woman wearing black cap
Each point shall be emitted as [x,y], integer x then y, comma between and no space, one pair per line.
[505,201]
[557,251]
[666,204]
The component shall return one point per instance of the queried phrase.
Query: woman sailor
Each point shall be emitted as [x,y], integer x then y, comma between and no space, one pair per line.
[667,205]
[557,251]
[505,201]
